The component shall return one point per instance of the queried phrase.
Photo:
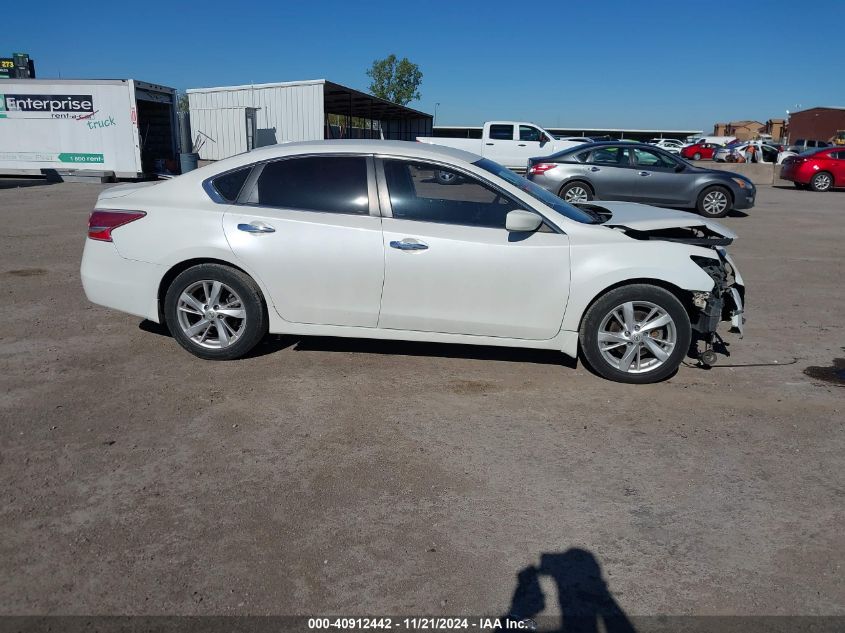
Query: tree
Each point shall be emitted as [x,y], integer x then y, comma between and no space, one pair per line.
[396,81]
[181,102]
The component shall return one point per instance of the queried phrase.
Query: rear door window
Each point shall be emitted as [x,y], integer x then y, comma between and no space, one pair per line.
[331,184]
[609,156]
[501,132]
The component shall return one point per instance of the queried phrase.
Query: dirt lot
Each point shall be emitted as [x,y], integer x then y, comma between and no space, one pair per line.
[334,476]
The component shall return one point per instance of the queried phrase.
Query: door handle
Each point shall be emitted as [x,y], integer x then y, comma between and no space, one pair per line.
[645,173]
[520,144]
[256,228]
[405,245]
[595,169]
[489,143]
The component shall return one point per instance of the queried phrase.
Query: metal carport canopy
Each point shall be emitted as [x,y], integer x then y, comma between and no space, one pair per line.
[339,99]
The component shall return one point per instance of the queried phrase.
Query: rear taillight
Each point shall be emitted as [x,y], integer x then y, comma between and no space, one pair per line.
[541,168]
[102,223]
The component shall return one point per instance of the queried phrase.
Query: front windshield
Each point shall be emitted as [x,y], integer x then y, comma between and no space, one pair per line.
[536,191]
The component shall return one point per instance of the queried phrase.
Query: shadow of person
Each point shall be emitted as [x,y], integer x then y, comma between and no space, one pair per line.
[582,593]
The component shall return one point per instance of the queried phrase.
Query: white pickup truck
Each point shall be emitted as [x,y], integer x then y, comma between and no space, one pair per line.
[509,143]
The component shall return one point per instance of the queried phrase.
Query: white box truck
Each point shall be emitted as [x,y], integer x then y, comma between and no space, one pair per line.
[122,127]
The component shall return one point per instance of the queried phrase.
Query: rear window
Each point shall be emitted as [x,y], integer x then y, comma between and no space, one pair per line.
[230,185]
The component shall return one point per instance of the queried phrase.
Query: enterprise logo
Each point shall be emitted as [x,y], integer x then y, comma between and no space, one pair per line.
[47,103]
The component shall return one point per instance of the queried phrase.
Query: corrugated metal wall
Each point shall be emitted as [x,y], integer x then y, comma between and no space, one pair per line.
[285,113]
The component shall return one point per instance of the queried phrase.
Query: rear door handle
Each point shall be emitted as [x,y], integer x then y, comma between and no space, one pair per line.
[521,144]
[645,173]
[256,228]
[406,245]
[595,169]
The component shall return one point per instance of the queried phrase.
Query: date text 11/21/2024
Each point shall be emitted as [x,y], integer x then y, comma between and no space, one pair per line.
[421,623]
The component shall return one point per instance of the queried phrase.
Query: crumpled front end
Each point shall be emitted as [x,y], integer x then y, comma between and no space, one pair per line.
[724,303]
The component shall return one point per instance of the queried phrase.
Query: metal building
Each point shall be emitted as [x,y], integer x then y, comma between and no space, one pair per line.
[230,120]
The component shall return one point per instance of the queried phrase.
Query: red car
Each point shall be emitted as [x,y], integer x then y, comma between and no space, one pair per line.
[820,170]
[700,150]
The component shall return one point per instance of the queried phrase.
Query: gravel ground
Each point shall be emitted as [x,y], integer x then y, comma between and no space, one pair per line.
[338,476]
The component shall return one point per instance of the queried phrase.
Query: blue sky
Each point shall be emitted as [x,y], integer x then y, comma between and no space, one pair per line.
[618,63]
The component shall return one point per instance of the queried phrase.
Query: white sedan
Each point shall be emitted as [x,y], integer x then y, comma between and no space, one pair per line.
[671,145]
[361,239]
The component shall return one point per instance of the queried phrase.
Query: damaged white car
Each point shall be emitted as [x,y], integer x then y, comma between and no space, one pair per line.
[369,239]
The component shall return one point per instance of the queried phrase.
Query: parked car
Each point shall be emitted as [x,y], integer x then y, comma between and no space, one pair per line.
[358,239]
[669,144]
[700,150]
[801,145]
[510,143]
[820,170]
[640,173]
[765,153]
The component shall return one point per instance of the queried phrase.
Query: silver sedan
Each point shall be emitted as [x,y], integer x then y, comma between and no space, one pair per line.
[638,172]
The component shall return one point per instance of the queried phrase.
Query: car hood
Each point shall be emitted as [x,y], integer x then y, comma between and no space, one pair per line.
[643,217]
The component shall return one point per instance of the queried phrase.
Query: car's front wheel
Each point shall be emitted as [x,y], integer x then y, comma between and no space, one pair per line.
[636,334]
[822,181]
[215,312]
[714,202]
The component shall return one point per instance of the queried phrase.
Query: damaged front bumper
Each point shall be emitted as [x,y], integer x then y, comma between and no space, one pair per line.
[724,303]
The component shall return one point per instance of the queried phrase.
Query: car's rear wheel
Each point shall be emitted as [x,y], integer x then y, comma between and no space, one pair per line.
[696,156]
[574,192]
[714,202]
[635,334]
[215,312]
[822,181]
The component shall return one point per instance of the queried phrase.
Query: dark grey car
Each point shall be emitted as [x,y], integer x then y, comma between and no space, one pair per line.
[638,172]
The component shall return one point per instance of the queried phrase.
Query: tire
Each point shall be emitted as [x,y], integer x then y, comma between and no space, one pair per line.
[201,327]
[714,202]
[576,191]
[696,156]
[606,347]
[822,181]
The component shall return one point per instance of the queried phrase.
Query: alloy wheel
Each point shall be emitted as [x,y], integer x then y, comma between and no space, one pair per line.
[715,202]
[211,314]
[822,182]
[576,194]
[637,337]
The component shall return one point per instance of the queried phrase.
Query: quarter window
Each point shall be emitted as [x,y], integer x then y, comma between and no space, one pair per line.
[429,193]
[501,132]
[332,184]
[229,185]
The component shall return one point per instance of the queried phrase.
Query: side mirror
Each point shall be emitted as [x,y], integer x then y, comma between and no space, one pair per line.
[522,221]
[679,168]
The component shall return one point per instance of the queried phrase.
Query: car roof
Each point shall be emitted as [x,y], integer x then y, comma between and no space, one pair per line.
[354,146]
[599,144]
